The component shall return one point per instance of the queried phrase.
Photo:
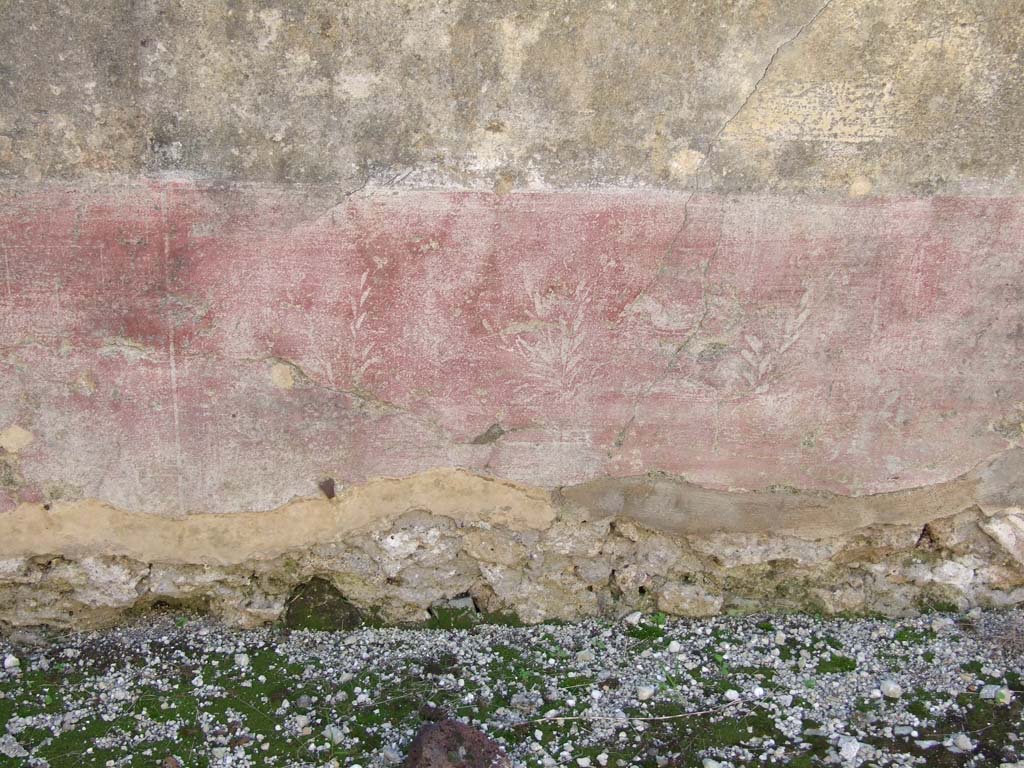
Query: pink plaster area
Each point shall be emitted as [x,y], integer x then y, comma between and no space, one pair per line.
[742,342]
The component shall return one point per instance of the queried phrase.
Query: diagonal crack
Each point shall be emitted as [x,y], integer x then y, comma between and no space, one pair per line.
[676,351]
[712,146]
[757,85]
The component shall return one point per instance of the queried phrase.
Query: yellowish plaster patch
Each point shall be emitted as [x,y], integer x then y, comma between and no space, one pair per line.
[89,528]
[808,110]
[685,162]
[860,187]
[14,438]
[281,376]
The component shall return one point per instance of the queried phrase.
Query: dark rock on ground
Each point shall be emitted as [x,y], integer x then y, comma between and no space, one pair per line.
[451,744]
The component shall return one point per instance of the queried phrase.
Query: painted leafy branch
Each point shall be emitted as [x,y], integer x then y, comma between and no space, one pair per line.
[760,360]
[363,359]
[796,323]
[552,344]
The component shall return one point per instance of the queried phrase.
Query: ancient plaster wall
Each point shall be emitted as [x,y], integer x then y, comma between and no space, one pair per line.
[740,284]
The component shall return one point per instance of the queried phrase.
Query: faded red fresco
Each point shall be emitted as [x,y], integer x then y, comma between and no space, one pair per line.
[743,342]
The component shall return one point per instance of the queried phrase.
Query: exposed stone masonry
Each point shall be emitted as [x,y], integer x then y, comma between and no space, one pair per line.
[395,548]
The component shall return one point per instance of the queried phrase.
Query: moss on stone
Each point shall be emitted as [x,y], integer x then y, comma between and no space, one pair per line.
[317,605]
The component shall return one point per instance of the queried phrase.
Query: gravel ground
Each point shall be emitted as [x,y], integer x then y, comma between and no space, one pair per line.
[181,690]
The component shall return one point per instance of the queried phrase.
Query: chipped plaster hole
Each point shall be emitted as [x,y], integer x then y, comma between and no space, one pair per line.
[327,487]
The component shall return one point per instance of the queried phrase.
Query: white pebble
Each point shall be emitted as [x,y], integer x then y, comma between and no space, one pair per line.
[242,660]
[633,618]
[644,692]
[674,647]
[890,689]
[11,661]
[848,748]
[732,695]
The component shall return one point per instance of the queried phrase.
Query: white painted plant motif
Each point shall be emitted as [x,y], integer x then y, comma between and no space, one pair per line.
[363,347]
[759,362]
[761,359]
[551,343]
[321,357]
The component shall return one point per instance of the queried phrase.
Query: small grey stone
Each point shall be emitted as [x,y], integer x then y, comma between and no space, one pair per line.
[890,689]
[27,638]
[962,741]
[461,604]
[849,747]
[526,701]
[9,747]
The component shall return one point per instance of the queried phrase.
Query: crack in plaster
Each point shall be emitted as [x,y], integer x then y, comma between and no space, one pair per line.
[799,33]
[623,433]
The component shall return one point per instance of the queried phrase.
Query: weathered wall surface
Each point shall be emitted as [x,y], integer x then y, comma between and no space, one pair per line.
[743,279]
